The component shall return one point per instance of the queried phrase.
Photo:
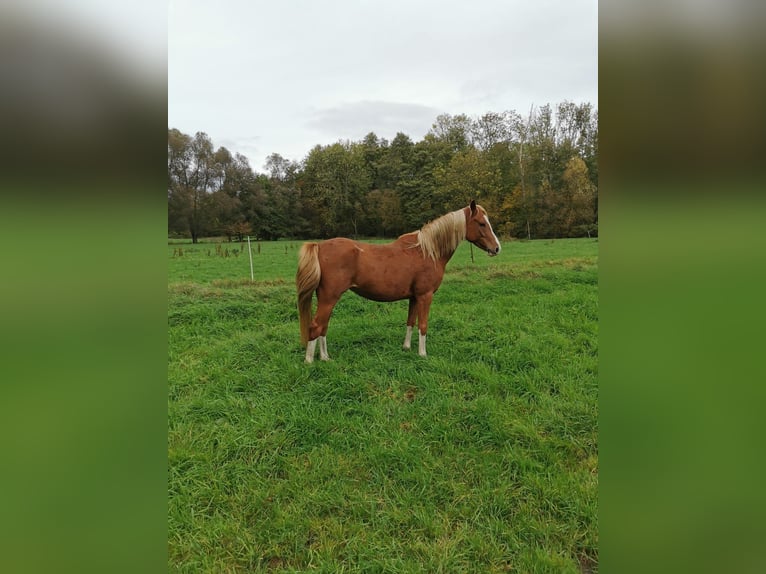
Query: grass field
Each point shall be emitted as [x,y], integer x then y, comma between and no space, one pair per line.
[482,457]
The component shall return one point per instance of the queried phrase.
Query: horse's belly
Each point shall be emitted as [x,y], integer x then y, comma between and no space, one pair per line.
[381,293]
[385,273]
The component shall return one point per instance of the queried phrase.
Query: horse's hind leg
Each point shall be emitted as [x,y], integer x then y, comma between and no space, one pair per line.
[311,347]
[411,314]
[323,348]
[318,328]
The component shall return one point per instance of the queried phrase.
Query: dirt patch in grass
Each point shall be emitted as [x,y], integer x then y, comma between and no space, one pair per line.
[218,287]
[588,563]
[235,283]
[193,290]
[574,263]
[513,274]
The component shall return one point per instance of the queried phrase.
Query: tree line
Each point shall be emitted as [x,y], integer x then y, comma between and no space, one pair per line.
[537,175]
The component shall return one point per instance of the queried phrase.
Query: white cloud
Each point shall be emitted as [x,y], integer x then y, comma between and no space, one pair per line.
[356,119]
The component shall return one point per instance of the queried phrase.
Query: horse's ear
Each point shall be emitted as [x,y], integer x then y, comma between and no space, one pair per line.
[473,207]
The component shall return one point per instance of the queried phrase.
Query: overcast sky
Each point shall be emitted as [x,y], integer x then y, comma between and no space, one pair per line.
[281,76]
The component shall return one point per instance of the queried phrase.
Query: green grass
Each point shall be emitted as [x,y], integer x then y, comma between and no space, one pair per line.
[481,457]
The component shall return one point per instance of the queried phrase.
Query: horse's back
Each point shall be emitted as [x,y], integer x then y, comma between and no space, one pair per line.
[338,251]
[342,249]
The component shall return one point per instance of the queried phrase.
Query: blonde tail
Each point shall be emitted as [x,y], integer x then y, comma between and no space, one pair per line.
[306,281]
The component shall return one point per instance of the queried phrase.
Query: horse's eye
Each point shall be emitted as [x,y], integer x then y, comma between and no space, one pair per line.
[482,225]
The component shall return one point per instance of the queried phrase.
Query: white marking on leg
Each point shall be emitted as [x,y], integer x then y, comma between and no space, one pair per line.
[323,349]
[421,344]
[408,338]
[310,348]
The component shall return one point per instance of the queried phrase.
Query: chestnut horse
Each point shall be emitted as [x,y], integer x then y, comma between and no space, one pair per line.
[412,267]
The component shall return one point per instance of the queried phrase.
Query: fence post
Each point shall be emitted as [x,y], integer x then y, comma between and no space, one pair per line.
[251,258]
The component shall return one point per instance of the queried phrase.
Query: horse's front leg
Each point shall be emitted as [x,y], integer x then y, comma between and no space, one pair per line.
[423,307]
[411,314]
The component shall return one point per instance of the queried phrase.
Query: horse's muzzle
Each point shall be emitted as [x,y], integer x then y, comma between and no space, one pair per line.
[492,252]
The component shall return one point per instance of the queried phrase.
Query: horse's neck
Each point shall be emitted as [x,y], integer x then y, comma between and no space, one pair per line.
[445,258]
[442,259]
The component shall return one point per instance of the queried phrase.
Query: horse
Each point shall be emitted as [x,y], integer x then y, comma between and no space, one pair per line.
[411,267]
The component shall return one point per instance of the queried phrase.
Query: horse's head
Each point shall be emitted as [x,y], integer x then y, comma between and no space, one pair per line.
[478,230]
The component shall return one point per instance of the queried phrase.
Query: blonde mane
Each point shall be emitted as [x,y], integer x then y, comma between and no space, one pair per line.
[442,236]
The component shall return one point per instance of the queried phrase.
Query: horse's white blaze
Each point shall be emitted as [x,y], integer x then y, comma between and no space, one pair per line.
[323,349]
[310,348]
[493,233]
[421,344]
[408,338]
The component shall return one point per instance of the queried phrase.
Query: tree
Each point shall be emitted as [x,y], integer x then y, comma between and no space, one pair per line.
[191,172]
[468,175]
[490,130]
[336,182]
[578,197]
[239,230]
[418,193]
[224,212]
[283,212]
[395,162]
[277,167]
[454,130]
[520,196]
[384,213]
